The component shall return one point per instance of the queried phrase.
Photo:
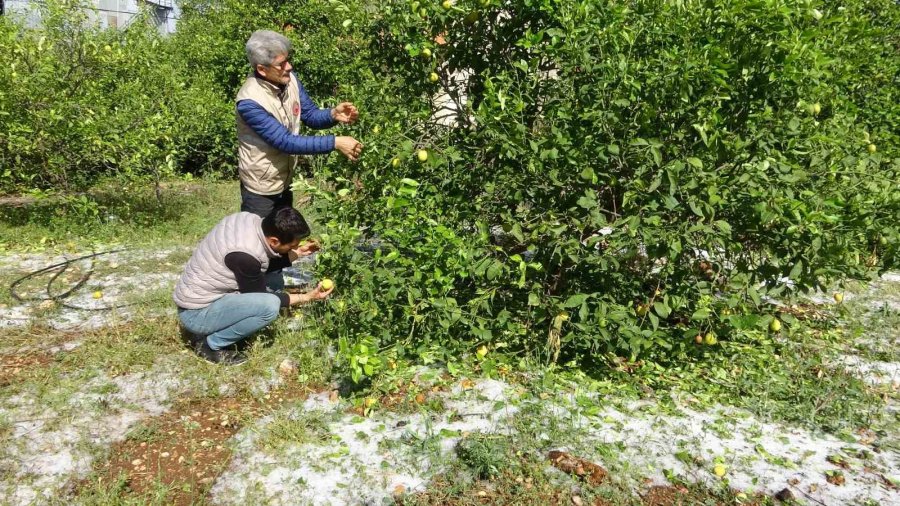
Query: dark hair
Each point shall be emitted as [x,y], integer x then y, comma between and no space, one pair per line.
[285,224]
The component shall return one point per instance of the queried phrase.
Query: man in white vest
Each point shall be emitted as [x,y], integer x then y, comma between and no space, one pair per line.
[270,107]
[222,296]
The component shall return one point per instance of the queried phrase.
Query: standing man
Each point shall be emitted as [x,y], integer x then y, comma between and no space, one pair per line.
[270,106]
[222,296]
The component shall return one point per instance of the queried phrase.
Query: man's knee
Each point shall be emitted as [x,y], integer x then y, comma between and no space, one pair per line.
[271,306]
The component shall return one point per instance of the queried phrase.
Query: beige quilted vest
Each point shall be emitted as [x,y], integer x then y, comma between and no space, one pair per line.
[206,278]
[263,169]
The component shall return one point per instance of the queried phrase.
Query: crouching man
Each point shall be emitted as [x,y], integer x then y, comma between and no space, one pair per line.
[222,296]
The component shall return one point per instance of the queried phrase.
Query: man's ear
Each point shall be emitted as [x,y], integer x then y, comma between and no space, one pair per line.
[273,242]
[261,70]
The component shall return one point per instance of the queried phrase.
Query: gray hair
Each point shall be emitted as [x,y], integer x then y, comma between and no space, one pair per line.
[264,46]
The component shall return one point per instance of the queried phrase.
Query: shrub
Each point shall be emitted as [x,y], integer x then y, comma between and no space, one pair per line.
[622,176]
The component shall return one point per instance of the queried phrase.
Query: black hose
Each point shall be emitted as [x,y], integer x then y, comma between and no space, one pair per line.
[60,298]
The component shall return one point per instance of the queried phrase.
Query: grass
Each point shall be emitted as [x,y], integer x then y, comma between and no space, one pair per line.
[109,214]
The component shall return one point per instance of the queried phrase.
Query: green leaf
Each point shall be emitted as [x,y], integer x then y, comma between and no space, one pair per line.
[576,300]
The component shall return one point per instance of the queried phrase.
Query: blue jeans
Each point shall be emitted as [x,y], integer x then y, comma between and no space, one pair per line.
[232,318]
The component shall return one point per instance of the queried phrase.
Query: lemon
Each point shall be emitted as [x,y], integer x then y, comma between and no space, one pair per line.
[327,284]
[422,155]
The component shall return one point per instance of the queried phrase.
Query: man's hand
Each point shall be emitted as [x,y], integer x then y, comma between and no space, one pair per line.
[317,294]
[304,249]
[345,112]
[350,147]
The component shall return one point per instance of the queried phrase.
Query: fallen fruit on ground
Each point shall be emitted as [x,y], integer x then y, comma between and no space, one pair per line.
[839,297]
[872,148]
[719,470]
[98,294]
[775,325]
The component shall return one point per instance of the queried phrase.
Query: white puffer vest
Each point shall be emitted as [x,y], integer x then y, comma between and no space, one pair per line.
[206,278]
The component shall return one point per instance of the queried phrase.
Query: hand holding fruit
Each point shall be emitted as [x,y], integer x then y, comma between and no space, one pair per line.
[303,249]
[350,147]
[322,291]
[345,112]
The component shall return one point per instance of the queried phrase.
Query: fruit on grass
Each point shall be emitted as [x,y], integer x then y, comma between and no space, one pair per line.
[775,325]
[719,470]
[872,148]
[98,294]
[839,297]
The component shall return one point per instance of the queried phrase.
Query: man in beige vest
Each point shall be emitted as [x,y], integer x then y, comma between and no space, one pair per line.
[222,296]
[270,107]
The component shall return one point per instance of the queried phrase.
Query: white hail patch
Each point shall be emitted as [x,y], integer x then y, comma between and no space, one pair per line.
[48,449]
[115,289]
[758,456]
[874,372]
[364,460]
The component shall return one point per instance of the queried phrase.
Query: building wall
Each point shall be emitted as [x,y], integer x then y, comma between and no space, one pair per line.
[106,13]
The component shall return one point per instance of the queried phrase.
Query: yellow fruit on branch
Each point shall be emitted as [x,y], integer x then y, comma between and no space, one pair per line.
[327,284]
[422,155]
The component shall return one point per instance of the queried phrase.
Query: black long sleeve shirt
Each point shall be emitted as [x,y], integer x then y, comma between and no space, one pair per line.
[249,276]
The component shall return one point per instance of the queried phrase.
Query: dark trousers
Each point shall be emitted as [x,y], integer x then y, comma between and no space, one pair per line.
[263,205]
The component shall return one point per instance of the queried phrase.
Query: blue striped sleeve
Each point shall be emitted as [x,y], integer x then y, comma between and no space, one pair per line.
[310,114]
[276,135]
